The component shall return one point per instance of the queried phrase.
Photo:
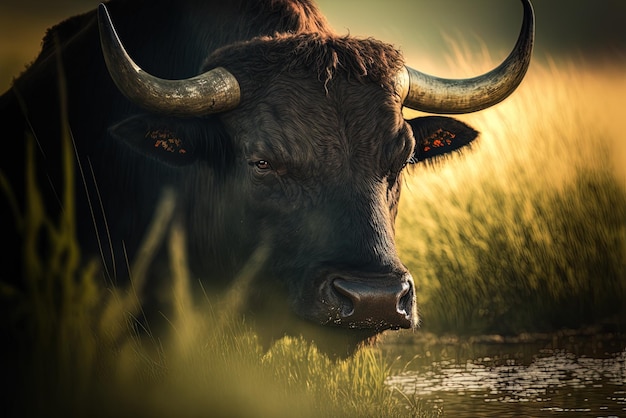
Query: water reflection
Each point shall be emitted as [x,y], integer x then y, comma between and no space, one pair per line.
[508,381]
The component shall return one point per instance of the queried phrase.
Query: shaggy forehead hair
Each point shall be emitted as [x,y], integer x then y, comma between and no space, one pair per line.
[262,58]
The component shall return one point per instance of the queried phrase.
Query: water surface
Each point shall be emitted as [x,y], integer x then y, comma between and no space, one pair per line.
[565,376]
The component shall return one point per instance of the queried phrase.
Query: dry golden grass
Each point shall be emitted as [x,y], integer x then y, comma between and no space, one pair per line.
[526,231]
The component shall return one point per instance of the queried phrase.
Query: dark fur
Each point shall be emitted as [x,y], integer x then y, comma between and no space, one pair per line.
[362,60]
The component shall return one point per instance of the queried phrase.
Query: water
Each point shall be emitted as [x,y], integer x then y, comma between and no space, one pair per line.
[575,376]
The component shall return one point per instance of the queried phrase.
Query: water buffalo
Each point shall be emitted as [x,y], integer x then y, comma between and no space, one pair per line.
[273,131]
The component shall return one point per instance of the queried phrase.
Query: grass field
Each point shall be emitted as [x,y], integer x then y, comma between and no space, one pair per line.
[525,232]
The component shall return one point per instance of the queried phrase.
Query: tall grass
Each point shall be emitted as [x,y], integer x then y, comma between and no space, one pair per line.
[526,231]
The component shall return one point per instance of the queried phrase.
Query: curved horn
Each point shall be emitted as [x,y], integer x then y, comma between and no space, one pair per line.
[453,96]
[214,91]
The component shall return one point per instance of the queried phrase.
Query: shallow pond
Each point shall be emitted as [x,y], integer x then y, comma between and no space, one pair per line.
[539,376]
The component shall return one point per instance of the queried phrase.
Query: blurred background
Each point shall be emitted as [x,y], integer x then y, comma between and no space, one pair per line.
[421,28]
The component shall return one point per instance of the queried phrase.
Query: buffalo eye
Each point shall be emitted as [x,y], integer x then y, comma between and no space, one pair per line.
[261,166]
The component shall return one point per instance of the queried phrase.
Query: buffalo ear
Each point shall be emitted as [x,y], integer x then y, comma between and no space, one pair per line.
[438,135]
[169,140]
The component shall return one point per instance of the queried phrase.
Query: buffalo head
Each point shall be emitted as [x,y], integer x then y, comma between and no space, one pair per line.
[296,144]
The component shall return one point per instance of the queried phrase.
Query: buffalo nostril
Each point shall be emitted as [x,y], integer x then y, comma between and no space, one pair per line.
[405,302]
[374,303]
[345,298]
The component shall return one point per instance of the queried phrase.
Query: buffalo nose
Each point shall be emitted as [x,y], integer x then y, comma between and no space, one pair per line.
[374,303]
